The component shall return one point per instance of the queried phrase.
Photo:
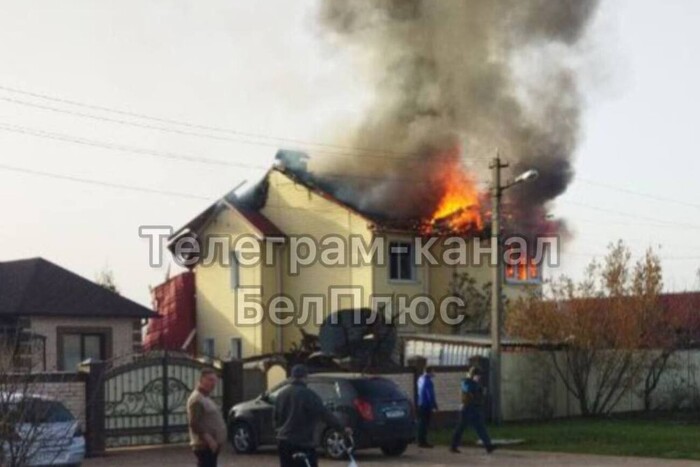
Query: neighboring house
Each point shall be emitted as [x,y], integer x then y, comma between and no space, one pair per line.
[285,204]
[52,319]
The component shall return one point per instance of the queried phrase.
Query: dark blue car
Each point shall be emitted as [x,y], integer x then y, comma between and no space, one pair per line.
[378,411]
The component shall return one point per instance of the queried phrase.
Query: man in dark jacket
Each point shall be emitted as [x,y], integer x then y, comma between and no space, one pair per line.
[472,411]
[297,410]
[427,403]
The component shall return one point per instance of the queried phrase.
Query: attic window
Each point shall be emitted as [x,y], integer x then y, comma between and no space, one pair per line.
[401,261]
[526,272]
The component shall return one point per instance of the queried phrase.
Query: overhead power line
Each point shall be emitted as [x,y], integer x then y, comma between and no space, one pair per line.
[140,189]
[102,183]
[175,156]
[120,147]
[265,140]
[629,215]
[148,190]
[662,199]
[239,136]
[604,254]
[219,162]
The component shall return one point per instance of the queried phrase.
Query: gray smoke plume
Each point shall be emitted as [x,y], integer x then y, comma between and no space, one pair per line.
[453,81]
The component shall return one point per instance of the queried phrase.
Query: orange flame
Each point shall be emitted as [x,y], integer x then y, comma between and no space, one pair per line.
[459,206]
[525,270]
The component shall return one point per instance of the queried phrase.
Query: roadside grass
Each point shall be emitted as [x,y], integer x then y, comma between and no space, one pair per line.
[667,436]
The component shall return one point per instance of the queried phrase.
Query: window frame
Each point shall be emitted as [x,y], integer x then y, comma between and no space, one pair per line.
[411,257]
[238,347]
[105,334]
[205,347]
[515,278]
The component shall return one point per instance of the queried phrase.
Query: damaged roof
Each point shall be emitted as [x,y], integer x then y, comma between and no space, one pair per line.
[245,205]
[37,287]
[293,165]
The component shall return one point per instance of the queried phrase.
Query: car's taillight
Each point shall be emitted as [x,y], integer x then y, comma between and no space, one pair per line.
[365,409]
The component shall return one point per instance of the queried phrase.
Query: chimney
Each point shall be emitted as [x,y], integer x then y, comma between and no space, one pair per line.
[294,161]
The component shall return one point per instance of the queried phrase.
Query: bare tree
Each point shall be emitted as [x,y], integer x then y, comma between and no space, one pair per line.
[29,420]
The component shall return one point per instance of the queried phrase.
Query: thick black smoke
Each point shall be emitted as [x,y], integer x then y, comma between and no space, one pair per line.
[477,75]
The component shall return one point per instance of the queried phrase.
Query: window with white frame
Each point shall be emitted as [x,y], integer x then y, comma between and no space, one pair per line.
[401,266]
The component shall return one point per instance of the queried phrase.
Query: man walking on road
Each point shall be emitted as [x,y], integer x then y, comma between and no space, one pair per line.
[426,405]
[297,410]
[472,411]
[206,421]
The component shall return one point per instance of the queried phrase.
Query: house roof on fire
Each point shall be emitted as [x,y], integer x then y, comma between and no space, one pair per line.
[250,203]
[37,287]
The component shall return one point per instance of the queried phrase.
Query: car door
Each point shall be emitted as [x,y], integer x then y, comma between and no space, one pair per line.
[265,414]
[330,393]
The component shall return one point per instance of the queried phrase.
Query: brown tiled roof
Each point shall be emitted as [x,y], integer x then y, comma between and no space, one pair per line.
[684,310]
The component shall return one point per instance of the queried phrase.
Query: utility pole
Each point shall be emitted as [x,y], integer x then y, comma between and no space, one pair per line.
[496,286]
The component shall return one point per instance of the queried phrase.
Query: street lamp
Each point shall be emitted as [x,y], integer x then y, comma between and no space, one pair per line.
[529,176]
[497,272]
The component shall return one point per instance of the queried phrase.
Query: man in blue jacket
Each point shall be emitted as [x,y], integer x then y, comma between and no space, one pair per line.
[426,405]
[472,411]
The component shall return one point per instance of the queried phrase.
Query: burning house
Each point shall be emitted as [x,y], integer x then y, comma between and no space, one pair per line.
[292,203]
[452,83]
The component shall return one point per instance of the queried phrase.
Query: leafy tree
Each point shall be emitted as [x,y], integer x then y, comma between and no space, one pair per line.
[477,300]
[600,330]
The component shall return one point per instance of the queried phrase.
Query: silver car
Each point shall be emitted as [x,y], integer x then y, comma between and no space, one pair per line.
[39,431]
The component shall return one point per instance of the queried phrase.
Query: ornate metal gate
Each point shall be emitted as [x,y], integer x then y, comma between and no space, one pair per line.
[145,400]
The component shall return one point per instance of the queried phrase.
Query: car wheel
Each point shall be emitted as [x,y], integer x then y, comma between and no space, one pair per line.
[334,444]
[242,438]
[394,449]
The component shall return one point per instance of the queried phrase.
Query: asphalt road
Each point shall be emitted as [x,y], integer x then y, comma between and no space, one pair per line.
[180,456]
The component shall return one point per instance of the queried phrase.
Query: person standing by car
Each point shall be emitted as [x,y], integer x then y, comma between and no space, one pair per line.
[206,421]
[427,403]
[297,410]
[472,412]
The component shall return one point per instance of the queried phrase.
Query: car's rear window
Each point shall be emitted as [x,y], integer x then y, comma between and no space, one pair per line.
[378,389]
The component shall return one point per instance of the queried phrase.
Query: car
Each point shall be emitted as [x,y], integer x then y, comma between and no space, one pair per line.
[39,431]
[378,411]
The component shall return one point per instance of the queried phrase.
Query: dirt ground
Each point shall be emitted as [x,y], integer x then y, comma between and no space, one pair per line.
[180,456]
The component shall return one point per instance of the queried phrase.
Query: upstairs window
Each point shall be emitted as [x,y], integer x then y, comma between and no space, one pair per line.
[525,272]
[235,271]
[401,261]
[236,352]
[209,347]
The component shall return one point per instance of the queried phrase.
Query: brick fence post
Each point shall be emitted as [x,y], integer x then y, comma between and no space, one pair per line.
[95,436]
[232,380]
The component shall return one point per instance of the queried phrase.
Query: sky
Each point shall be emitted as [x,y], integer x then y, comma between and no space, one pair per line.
[262,71]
